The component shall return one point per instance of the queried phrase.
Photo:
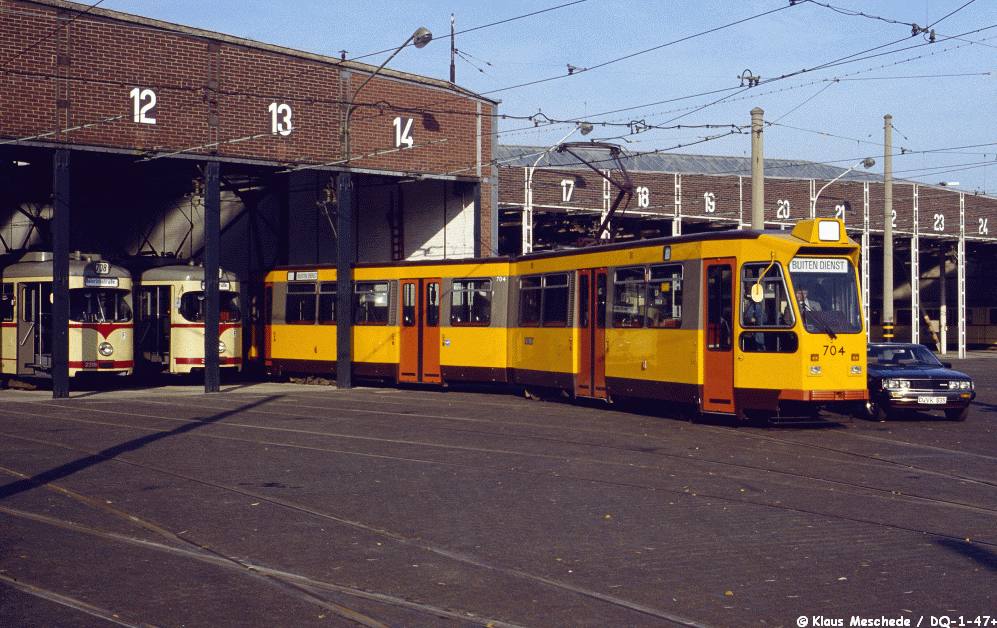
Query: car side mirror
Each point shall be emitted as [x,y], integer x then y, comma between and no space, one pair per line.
[947,365]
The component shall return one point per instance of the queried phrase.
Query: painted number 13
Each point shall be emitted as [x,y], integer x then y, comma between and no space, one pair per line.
[280,119]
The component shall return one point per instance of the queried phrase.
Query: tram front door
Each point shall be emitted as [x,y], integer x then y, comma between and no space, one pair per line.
[34,319]
[420,331]
[718,357]
[591,378]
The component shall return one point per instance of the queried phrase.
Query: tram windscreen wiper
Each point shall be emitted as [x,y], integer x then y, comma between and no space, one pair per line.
[822,321]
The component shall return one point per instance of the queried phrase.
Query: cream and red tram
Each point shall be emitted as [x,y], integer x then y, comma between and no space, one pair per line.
[731,322]
[100,316]
[169,319]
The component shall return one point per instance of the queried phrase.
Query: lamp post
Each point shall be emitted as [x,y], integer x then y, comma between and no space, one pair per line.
[527,228]
[868,162]
[345,244]
[419,39]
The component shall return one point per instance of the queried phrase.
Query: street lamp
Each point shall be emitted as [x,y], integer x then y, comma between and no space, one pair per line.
[527,228]
[868,162]
[419,39]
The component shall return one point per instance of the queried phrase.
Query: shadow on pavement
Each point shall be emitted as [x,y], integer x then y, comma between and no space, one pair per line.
[110,453]
[986,558]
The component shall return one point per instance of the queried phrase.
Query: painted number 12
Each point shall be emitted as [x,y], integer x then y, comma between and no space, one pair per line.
[143,102]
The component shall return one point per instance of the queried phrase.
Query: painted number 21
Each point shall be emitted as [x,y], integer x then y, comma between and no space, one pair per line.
[143,102]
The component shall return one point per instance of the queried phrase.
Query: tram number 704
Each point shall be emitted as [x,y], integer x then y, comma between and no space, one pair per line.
[832,350]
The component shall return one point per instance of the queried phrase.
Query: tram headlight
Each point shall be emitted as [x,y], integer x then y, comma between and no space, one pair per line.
[816,370]
[855,370]
[221,347]
[106,349]
[896,384]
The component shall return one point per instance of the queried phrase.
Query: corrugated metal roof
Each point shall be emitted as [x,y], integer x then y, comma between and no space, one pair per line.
[512,155]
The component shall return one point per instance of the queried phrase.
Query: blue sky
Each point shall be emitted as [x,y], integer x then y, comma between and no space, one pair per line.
[815,116]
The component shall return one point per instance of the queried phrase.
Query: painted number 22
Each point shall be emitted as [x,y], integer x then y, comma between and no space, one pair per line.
[143,102]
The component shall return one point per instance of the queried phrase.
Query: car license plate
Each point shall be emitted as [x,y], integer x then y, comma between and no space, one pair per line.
[929,400]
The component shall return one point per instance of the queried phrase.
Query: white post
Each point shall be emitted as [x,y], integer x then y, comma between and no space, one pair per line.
[865,257]
[607,195]
[943,336]
[527,226]
[813,198]
[677,220]
[915,277]
[961,275]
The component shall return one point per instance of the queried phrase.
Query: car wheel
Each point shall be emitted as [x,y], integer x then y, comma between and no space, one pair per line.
[957,414]
[875,411]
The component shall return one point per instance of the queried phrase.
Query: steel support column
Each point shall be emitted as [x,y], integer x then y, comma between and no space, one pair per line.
[943,318]
[677,220]
[865,257]
[526,245]
[915,276]
[345,258]
[961,275]
[60,275]
[212,229]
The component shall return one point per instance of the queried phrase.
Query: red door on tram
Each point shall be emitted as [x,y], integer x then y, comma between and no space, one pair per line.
[718,354]
[419,359]
[591,290]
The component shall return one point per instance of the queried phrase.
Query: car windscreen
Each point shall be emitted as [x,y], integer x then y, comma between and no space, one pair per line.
[903,355]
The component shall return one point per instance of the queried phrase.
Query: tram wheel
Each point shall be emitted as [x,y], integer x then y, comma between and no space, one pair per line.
[875,412]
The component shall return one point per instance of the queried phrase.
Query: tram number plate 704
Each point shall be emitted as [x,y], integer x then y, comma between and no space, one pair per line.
[832,350]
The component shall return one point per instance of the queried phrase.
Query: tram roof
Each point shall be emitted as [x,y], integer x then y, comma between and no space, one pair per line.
[183,272]
[39,264]
[515,155]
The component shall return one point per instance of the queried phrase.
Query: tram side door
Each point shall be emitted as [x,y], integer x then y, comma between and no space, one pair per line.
[718,354]
[419,359]
[591,290]
[34,334]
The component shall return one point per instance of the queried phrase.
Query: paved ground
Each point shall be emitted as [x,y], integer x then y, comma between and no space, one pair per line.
[281,504]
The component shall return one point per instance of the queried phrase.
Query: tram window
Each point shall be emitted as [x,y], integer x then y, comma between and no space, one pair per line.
[664,296]
[630,297]
[555,300]
[601,293]
[228,307]
[299,307]
[774,310]
[99,305]
[432,304]
[583,301]
[6,302]
[529,301]
[408,304]
[993,316]
[719,318]
[471,302]
[327,303]
[370,303]
[769,342]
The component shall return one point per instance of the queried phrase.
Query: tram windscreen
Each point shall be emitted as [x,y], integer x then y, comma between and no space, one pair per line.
[826,292]
[99,305]
[192,307]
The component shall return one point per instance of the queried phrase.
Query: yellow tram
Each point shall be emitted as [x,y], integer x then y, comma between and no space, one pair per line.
[100,316]
[169,319]
[731,322]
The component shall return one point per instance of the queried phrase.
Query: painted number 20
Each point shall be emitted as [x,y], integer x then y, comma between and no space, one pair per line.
[143,102]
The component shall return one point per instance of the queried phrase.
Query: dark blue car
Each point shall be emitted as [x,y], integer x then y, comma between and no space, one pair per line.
[910,377]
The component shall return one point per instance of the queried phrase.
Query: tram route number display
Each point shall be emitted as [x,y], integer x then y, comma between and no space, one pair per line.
[818,265]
